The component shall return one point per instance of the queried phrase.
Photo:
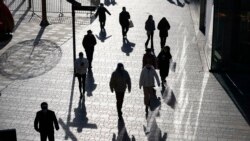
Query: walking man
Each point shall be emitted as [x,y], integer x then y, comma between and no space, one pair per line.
[89,42]
[81,65]
[45,122]
[124,21]
[120,80]
[101,12]
[148,74]
[164,58]
[150,27]
[163,27]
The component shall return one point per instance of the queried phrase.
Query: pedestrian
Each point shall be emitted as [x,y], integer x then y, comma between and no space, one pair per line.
[148,74]
[124,21]
[81,65]
[163,59]
[149,58]
[89,42]
[102,16]
[150,27]
[119,81]
[163,27]
[45,122]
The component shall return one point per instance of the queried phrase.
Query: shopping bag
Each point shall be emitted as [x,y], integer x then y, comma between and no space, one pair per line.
[131,24]
[173,66]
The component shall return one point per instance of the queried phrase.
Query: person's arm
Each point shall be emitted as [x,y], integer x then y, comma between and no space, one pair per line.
[106,10]
[111,83]
[128,82]
[86,63]
[141,79]
[36,122]
[128,15]
[153,25]
[55,121]
[94,40]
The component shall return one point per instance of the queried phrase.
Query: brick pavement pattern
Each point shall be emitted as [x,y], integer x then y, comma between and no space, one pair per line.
[193,107]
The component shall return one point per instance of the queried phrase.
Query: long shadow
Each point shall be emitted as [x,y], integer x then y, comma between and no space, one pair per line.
[178,3]
[169,97]
[18,7]
[90,85]
[103,35]
[122,132]
[37,39]
[21,19]
[109,2]
[127,46]
[152,130]
[80,121]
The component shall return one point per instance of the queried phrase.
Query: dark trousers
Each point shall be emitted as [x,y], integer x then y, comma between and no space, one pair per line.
[89,53]
[125,30]
[45,135]
[150,36]
[102,24]
[164,73]
[119,102]
[81,79]
[163,41]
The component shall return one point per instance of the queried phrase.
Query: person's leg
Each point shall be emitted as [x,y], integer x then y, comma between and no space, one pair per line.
[80,84]
[126,30]
[123,31]
[119,101]
[51,136]
[152,40]
[103,24]
[164,41]
[146,44]
[43,136]
[146,98]
[83,77]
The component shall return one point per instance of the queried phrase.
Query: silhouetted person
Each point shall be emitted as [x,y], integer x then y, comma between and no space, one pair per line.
[45,122]
[119,81]
[163,27]
[124,21]
[149,58]
[150,27]
[81,65]
[89,42]
[148,74]
[101,12]
[163,59]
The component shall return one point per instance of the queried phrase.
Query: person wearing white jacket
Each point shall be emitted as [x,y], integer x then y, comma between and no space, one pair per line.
[148,74]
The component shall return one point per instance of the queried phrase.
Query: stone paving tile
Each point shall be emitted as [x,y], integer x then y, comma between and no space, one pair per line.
[194,107]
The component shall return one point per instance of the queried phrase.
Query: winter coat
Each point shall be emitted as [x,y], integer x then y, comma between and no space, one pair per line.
[149,59]
[163,60]
[101,13]
[124,18]
[81,65]
[89,41]
[120,80]
[45,122]
[147,77]
[163,26]
[150,25]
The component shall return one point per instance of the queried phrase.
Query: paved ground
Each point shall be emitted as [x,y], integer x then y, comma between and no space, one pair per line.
[36,66]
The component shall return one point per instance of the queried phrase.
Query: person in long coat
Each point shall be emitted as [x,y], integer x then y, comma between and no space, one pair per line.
[119,82]
[163,59]
[89,42]
[150,28]
[101,12]
[124,21]
[163,27]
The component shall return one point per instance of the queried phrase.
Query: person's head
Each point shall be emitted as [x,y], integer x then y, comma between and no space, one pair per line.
[101,5]
[80,55]
[120,66]
[44,106]
[150,17]
[166,49]
[164,19]
[123,8]
[89,32]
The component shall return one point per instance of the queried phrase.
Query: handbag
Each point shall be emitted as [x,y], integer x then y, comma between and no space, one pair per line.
[131,24]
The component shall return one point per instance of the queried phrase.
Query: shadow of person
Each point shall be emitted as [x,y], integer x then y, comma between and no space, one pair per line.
[155,133]
[113,2]
[127,46]
[122,132]
[80,115]
[103,35]
[90,85]
[169,97]
[107,2]
[178,3]
[154,102]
